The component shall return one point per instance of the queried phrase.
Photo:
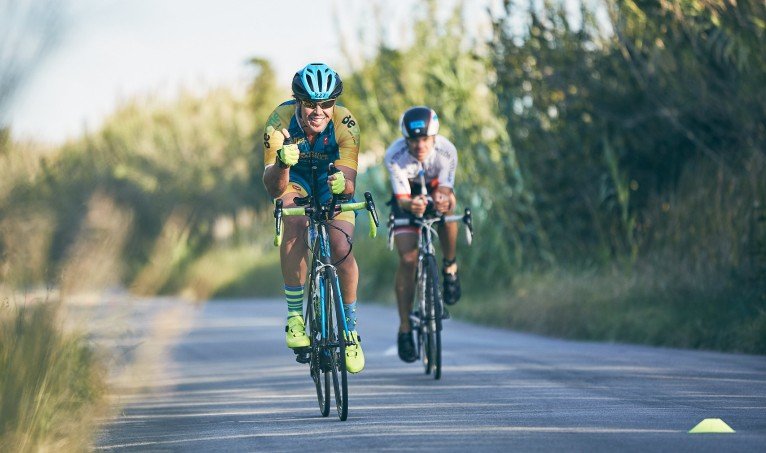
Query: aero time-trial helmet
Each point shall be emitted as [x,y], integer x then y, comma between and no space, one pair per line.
[316,81]
[419,121]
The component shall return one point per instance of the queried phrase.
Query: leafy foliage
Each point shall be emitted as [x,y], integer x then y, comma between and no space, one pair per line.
[451,77]
[174,169]
[606,119]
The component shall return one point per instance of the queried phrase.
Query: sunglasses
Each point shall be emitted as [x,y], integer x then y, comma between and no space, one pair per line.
[312,104]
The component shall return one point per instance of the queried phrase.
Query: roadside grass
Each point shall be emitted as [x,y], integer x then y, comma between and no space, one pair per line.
[235,272]
[645,306]
[52,383]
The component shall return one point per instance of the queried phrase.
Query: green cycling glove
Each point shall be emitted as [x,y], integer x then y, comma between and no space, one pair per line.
[288,154]
[338,185]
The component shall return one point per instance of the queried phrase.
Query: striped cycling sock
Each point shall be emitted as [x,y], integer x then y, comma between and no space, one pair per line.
[294,297]
[350,311]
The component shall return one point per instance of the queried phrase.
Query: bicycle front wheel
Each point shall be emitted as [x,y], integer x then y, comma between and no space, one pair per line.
[336,332]
[317,365]
[433,306]
[421,326]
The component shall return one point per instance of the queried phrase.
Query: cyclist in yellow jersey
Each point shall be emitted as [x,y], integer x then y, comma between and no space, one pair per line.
[321,132]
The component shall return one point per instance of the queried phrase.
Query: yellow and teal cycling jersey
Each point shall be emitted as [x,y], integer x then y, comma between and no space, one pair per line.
[338,143]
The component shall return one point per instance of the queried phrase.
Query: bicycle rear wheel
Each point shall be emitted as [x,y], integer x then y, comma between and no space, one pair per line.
[335,326]
[317,366]
[433,338]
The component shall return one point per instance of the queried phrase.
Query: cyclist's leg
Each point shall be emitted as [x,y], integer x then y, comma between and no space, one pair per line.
[341,231]
[448,238]
[293,251]
[293,262]
[407,247]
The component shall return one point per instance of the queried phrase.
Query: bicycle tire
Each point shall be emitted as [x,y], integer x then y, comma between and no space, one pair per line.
[318,372]
[424,347]
[434,314]
[335,317]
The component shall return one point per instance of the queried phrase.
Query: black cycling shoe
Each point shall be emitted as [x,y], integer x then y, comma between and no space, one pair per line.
[406,347]
[451,288]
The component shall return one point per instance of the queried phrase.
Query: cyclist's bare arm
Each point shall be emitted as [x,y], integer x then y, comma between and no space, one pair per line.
[276,178]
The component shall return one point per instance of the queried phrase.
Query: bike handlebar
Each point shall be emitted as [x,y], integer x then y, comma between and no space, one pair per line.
[416,221]
[466,218]
[368,204]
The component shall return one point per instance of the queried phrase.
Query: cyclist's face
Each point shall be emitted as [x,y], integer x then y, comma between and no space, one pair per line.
[315,116]
[420,147]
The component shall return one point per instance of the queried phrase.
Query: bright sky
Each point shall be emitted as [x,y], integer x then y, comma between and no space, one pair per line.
[112,50]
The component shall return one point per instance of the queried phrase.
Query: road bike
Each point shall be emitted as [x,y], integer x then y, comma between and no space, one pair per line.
[428,308]
[325,317]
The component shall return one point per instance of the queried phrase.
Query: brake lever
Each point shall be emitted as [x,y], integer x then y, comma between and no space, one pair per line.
[468,221]
[391,231]
[371,208]
[278,220]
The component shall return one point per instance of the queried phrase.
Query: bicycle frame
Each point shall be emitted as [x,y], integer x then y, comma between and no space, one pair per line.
[322,261]
[425,249]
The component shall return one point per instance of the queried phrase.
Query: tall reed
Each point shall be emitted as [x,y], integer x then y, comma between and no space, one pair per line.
[51,382]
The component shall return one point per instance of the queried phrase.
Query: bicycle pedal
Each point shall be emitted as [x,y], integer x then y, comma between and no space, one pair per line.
[445,313]
[302,354]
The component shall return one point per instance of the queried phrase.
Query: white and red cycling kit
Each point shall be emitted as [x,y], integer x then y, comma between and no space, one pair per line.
[438,171]
[438,168]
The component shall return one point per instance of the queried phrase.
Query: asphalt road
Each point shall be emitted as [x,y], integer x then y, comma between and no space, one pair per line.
[228,383]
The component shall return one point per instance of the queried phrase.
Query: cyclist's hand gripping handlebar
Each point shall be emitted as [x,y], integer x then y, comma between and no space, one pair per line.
[338,183]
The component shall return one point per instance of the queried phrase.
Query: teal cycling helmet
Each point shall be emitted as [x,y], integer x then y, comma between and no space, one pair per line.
[316,81]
